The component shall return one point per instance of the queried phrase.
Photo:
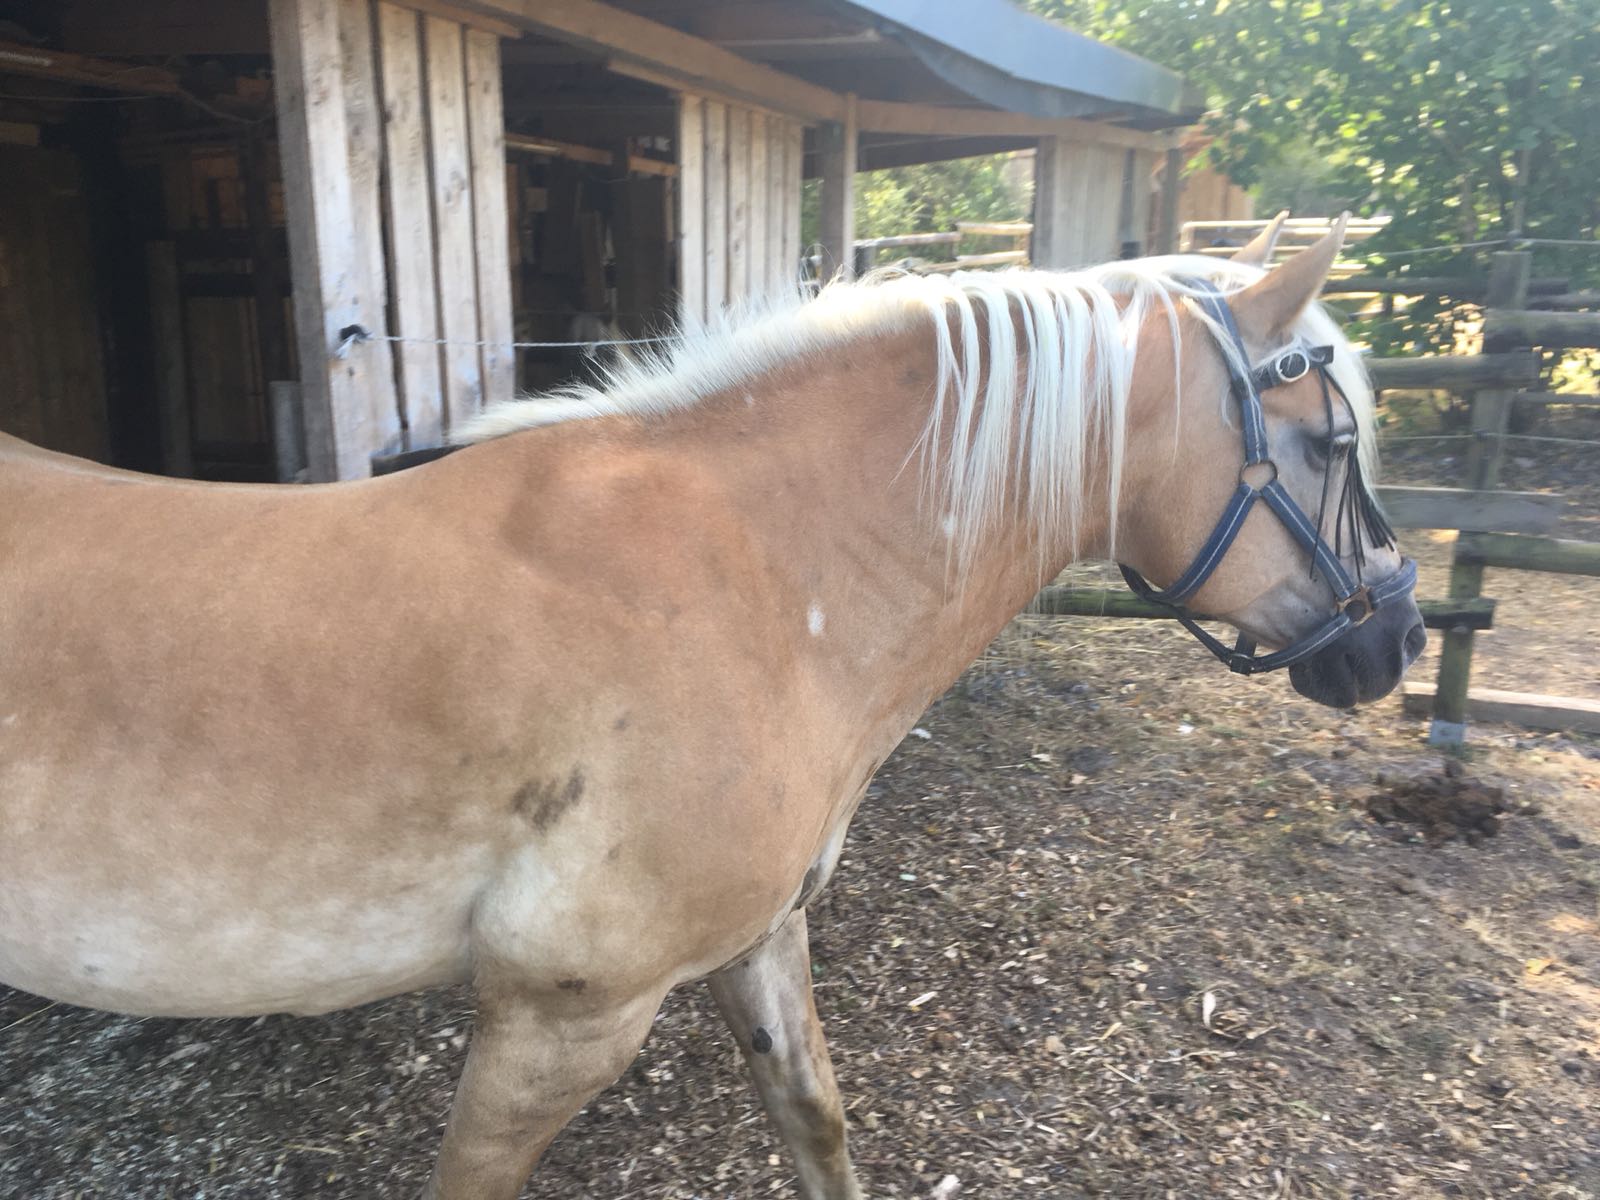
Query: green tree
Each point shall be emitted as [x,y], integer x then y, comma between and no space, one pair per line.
[931,197]
[1466,120]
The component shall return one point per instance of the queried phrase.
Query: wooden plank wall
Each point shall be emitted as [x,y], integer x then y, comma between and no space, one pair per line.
[738,204]
[394,171]
[1078,203]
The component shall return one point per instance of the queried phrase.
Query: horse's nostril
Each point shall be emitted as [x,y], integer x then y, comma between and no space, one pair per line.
[1416,640]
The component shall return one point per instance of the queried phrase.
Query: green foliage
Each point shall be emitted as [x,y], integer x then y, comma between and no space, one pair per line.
[931,197]
[1466,120]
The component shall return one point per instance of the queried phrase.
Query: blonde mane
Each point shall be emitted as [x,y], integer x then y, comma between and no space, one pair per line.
[1036,427]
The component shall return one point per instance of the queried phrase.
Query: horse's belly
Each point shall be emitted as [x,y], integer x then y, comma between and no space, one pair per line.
[128,955]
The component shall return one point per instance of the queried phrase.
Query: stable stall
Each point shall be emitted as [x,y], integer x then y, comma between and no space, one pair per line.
[279,239]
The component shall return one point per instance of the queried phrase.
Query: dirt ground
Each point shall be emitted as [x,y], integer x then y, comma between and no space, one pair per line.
[1119,925]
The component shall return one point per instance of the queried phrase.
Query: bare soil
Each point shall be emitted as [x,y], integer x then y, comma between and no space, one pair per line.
[1119,926]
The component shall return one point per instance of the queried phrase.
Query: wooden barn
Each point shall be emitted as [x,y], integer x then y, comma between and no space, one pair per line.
[277,239]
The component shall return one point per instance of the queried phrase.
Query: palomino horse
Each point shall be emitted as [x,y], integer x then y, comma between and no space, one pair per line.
[581,713]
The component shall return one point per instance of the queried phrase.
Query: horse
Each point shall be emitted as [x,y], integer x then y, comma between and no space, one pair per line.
[581,712]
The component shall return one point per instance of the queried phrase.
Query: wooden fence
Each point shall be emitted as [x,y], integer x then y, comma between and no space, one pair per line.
[1505,530]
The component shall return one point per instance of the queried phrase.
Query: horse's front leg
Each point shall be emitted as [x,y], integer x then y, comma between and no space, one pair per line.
[535,1060]
[766,1000]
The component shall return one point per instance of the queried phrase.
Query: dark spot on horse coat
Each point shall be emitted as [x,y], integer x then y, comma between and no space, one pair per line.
[542,803]
[761,1041]
[572,985]
[621,722]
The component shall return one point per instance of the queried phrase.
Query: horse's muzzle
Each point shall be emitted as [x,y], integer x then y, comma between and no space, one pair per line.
[1366,663]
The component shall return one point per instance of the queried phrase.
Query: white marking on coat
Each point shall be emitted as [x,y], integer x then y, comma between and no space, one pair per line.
[815,620]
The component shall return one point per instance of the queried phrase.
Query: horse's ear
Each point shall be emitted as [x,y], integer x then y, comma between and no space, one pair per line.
[1269,308]
[1258,251]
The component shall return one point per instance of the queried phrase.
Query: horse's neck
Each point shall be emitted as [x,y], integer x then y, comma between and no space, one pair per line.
[824,462]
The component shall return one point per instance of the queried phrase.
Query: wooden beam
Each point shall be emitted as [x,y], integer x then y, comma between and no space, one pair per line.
[1476,511]
[19,133]
[18,59]
[1504,328]
[548,147]
[1577,399]
[837,216]
[1565,300]
[1566,713]
[1521,552]
[1445,372]
[691,63]
[1171,189]
[461,16]
[935,120]
[522,143]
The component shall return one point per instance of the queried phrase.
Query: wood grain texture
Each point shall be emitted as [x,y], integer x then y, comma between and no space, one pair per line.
[490,219]
[323,252]
[364,138]
[715,195]
[1475,511]
[691,207]
[455,272]
[739,216]
[408,216]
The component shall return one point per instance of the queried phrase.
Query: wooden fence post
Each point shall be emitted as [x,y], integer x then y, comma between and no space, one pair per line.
[1509,273]
[1171,187]
[837,219]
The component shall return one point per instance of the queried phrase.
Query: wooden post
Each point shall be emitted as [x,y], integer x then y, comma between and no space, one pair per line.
[486,123]
[1077,202]
[739,123]
[408,214]
[172,373]
[691,196]
[288,430]
[837,219]
[455,267]
[1050,204]
[1509,272]
[715,194]
[347,400]
[1171,188]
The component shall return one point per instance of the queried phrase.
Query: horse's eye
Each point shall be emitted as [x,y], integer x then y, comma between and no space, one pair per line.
[1325,450]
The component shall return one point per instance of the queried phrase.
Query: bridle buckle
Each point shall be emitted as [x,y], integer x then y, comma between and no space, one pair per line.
[1362,596]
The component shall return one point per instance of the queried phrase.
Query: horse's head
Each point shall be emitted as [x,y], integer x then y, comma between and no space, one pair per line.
[1262,514]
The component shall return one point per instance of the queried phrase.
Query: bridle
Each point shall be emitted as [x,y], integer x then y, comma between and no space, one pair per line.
[1354,601]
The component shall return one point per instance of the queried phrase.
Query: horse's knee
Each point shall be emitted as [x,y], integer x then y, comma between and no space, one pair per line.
[816,1113]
